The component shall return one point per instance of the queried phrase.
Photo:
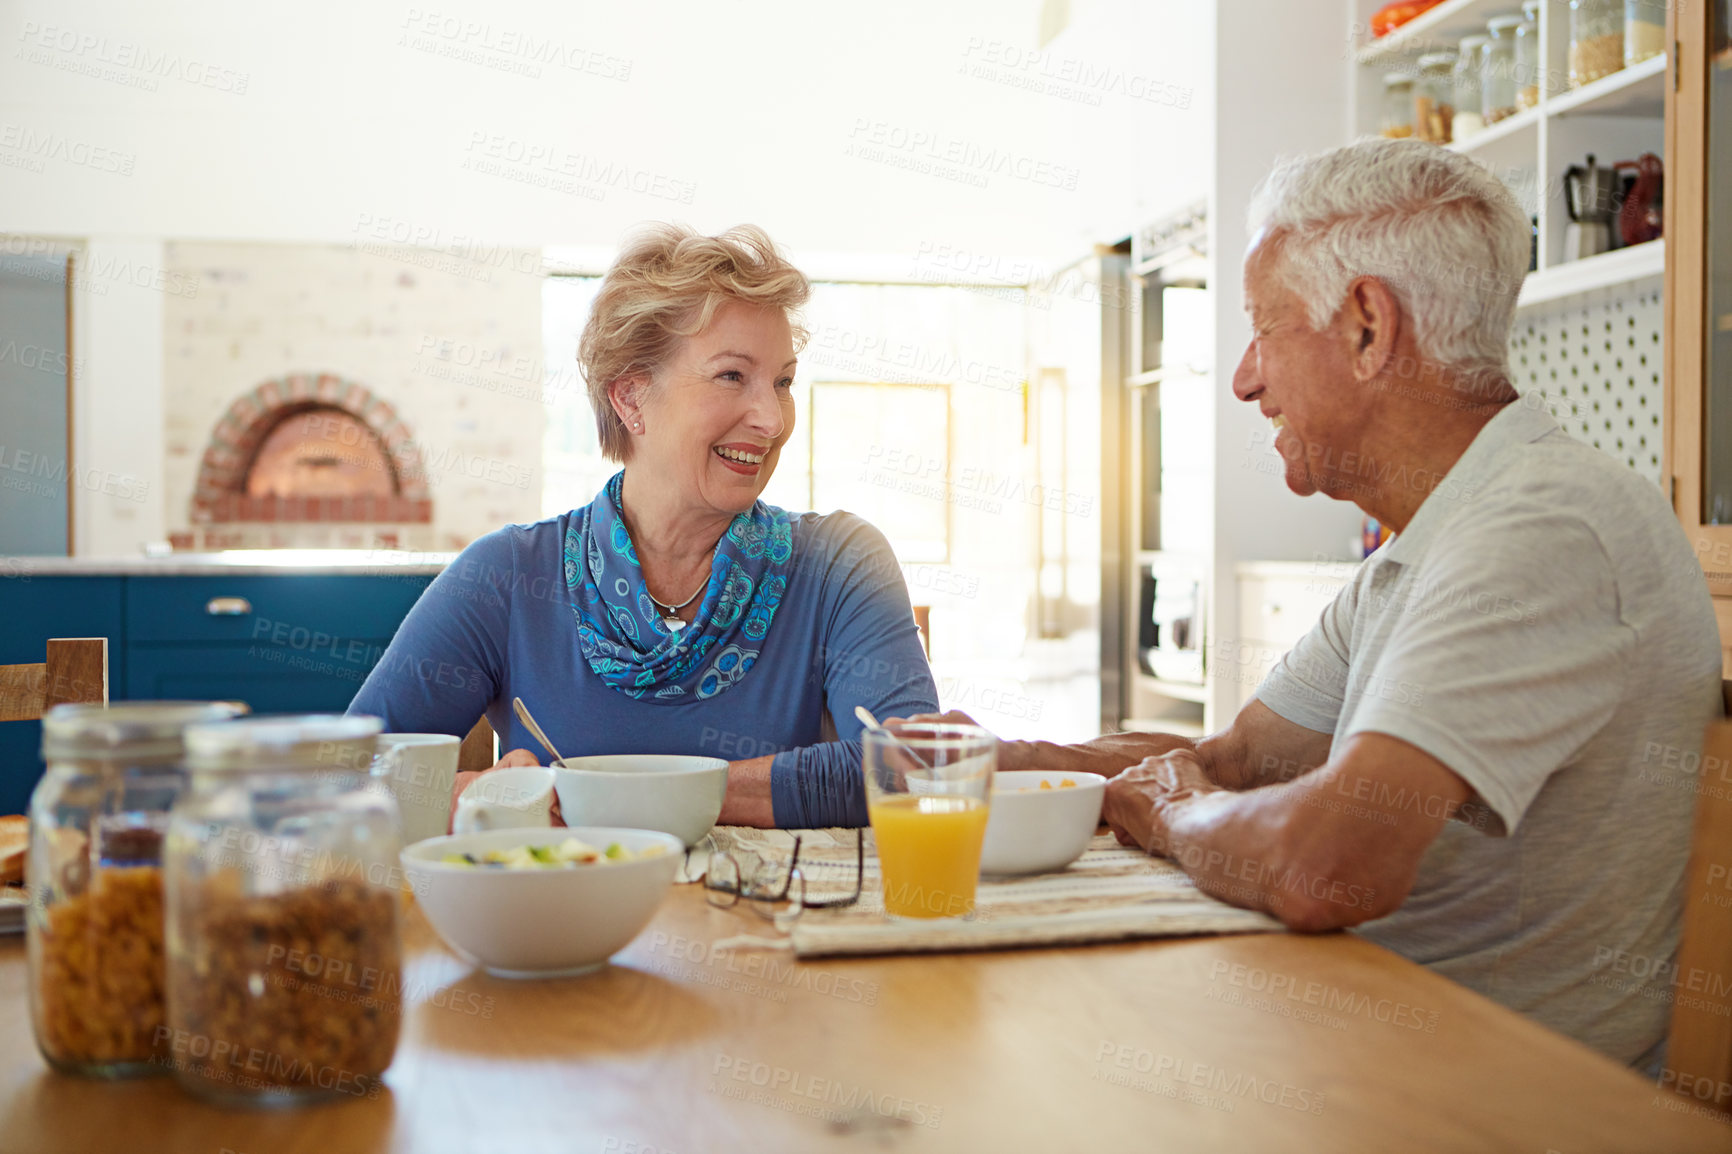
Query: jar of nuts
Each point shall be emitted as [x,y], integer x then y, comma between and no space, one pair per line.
[94,930]
[283,904]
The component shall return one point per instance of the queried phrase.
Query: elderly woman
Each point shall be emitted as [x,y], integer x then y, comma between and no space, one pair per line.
[677,612]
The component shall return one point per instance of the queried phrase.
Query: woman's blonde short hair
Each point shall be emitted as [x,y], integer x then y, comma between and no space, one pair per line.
[666,286]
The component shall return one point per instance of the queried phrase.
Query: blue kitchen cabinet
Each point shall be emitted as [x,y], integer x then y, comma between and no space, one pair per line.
[282,643]
[33,609]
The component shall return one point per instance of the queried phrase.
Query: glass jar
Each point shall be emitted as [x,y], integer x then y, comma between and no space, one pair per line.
[1528,69]
[284,939]
[1434,98]
[1644,30]
[1469,63]
[94,931]
[1596,40]
[1398,106]
[1498,78]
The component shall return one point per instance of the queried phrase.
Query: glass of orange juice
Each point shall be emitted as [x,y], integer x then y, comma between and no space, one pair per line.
[927,788]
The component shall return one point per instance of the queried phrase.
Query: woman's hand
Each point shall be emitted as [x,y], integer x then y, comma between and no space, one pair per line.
[1011,754]
[515,757]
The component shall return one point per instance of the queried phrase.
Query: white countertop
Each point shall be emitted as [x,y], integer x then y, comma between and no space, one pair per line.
[237,562]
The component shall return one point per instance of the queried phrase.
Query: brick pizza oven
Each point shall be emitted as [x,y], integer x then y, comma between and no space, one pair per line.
[309,459]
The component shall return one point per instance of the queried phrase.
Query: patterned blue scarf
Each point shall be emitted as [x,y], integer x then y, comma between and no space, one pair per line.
[621,630]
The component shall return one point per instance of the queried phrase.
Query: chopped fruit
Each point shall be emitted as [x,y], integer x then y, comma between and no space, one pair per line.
[1279,420]
[1067,783]
[570,852]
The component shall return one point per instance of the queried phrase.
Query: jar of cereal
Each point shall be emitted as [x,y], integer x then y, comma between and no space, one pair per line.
[284,898]
[1498,85]
[1398,106]
[94,930]
[1528,68]
[1596,40]
[1469,64]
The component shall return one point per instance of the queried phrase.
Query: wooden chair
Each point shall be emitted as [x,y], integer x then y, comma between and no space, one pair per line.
[478,749]
[76,672]
[1699,1054]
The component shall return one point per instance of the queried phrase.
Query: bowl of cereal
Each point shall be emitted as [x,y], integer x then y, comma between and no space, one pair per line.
[673,793]
[541,902]
[1039,821]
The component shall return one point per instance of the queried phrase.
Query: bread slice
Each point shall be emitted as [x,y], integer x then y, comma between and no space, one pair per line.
[14,841]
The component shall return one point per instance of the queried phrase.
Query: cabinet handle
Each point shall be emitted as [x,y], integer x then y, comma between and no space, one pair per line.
[228,606]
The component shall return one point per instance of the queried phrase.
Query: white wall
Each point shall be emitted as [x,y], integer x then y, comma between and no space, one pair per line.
[875,129]
[117,442]
[1279,91]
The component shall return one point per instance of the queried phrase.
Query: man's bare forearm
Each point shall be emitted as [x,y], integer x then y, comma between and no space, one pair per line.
[1106,755]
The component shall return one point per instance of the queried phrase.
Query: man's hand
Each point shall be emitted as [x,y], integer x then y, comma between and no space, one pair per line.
[1140,801]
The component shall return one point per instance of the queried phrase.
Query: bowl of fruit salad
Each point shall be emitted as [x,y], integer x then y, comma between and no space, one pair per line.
[542,903]
[1040,821]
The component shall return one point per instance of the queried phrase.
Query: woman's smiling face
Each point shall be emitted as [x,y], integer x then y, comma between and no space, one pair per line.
[718,414]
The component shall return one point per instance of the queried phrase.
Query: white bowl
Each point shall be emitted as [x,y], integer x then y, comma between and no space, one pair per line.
[674,794]
[541,923]
[1030,830]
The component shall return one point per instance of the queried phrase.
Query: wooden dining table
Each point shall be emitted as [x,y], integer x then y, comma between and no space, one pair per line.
[1256,1042]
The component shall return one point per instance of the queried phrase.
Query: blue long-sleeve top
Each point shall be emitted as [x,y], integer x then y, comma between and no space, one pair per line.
[498,624]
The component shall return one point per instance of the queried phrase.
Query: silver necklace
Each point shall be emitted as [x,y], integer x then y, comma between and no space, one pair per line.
[671,613]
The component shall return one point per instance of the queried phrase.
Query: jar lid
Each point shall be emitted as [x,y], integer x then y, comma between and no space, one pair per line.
[151,729]
[1437,60]
[1392,79]
[289,741]
[1501,24]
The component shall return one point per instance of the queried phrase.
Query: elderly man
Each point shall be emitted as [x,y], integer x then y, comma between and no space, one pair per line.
[1452,760]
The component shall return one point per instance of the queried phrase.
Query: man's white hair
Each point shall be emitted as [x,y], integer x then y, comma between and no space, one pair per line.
[1445,235]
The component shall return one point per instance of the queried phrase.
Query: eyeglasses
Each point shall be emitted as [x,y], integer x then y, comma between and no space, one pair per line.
[768,885]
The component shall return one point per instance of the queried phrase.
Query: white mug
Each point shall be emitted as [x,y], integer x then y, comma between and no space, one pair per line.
[420,770]
[516,797]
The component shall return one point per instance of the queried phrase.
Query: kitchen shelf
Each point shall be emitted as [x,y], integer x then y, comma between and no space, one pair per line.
[1180,690]
[1526,120]
[1620,266]
[1442,27]
[1639,90]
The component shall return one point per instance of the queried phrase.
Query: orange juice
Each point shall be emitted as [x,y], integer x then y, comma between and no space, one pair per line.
[929,850]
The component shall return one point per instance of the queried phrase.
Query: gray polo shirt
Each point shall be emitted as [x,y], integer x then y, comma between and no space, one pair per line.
[1543,629]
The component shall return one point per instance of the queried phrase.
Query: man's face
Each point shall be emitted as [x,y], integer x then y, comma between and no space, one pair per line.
[1301,379]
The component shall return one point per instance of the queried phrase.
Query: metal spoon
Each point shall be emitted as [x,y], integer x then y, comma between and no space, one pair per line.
[522,712]
[870,722]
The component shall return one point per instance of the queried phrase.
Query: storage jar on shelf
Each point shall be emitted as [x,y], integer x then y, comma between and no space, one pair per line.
[1528,68]
[1434,97]
[1596,40]
[94,930]
[284,939]
[1398,106]
[1644,30]
[1498,76]
[1469,62]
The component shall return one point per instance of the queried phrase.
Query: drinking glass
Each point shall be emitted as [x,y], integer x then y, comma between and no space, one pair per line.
[927,788]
